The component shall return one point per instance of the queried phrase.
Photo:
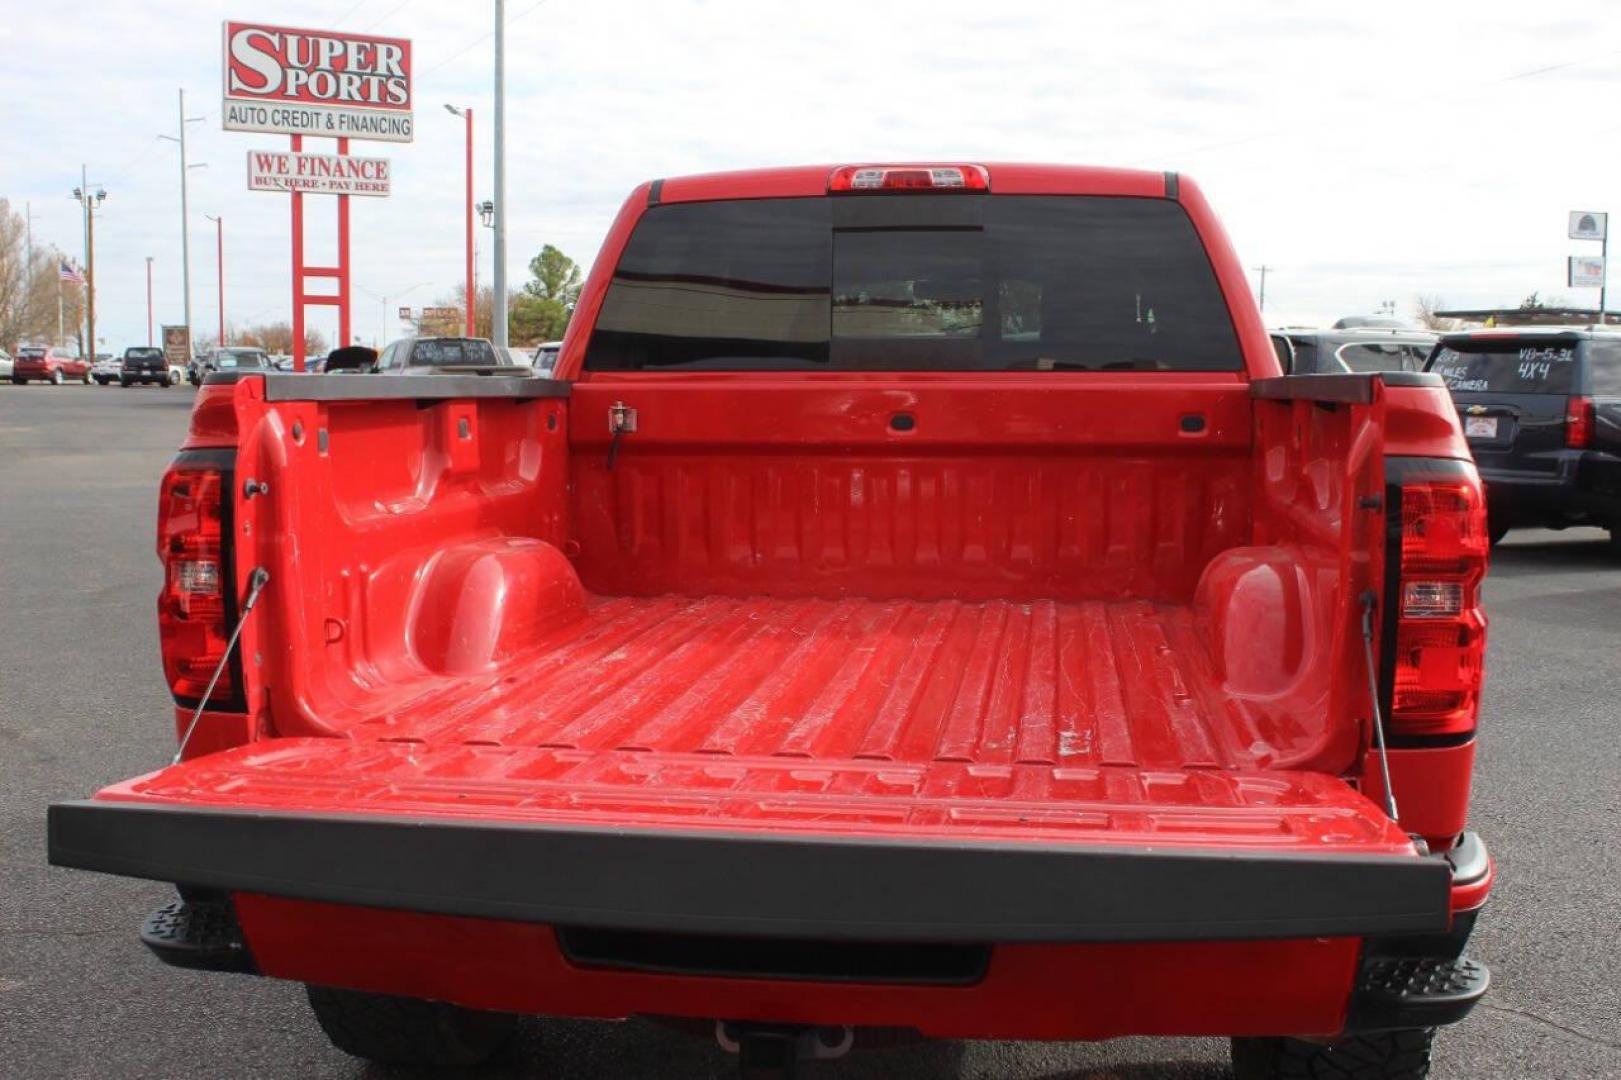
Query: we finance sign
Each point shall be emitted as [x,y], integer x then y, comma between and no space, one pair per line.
[334,85]
[317,174]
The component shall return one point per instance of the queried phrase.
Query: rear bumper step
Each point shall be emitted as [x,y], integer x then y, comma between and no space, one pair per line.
[1394,992]
[753,883]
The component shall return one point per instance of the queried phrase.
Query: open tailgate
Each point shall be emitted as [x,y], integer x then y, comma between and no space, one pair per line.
[872,850]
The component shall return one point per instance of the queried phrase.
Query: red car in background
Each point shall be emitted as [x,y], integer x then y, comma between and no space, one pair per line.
[49,364]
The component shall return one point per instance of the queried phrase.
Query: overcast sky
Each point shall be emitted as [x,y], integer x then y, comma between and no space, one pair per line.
[1365,152]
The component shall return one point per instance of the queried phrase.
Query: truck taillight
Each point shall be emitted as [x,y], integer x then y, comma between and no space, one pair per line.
[872,178]
[195,608]
[1440,629]
[1579,423]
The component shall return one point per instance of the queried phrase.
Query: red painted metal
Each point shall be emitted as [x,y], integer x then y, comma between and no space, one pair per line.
[345,329]
[1046,610]
[1029,991]
[1432,789]
[297,199]
[302,272]
[1422,422]
[790,774]
[219,260]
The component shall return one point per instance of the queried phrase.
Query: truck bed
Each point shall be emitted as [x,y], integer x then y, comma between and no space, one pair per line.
[990,683]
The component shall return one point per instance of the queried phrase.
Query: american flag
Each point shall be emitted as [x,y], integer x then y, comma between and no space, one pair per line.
[68,272]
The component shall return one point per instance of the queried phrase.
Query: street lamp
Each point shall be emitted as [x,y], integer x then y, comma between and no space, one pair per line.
[219,257]
[467,114]
[90,200]
[185,223]
[399,294]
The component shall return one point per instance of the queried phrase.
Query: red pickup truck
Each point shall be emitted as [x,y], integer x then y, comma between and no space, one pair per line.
[919,601]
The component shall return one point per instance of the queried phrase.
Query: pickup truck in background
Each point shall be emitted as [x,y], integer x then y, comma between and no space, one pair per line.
[919,601]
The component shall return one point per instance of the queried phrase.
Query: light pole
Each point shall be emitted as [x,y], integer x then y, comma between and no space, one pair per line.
[219,258]
[399,294]
[149,301]
[185,225]
[499,327]
[90,200]
[467,114]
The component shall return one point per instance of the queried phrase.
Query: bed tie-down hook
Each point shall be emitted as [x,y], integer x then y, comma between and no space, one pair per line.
[256,585]
[621,422]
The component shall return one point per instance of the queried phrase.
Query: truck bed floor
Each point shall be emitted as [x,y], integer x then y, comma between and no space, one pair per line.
[1121,683]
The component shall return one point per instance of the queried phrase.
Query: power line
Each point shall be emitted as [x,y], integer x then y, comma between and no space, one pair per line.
[1529,73]
[482,38]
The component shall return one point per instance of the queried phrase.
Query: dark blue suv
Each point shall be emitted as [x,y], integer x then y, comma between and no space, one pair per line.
[1541,409]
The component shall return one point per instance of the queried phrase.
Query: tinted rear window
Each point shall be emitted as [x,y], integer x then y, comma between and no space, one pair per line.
[30,354]
[143,354]
[453,353]
[232,358]
[924,282]
[1533,367]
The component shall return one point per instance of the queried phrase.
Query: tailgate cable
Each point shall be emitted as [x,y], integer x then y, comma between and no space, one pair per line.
[256,584]
[1373,700]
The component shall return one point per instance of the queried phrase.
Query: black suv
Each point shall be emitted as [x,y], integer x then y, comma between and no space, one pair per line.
[1355,348]
[144,365]
[1541,409]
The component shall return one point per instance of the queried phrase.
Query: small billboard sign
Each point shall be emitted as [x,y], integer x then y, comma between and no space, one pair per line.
[287,81]
[1584,272]
[1588,224]
[177,345]
[433,314]
[317,174]
[405,314]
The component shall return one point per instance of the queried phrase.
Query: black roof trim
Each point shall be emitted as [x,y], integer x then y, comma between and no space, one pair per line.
[1173,186]
[654,191]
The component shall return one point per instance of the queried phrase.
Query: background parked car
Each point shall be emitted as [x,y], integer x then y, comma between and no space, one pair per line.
[421,355]
[231,358]
[1541,409]
[1330,352]
[145,364]
[5,364]
[105,369]
[545,359]
[49,363]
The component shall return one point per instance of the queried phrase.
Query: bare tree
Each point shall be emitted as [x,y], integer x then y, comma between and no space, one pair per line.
[1427,309]
[277,337]
[28,294]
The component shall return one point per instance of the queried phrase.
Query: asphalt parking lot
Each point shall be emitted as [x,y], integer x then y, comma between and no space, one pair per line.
[82,703]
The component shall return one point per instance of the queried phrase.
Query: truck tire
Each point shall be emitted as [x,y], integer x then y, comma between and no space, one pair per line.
[409,1031]
[1382,1055]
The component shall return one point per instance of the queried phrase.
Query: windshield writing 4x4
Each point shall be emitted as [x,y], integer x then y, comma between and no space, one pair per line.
[1531,368]
[915,282]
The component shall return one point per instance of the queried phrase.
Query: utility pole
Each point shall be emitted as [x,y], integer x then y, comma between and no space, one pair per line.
[90,201]
[499,328]
[185,222]
[467,114]
[1262,269]
[219,257]
[149,301]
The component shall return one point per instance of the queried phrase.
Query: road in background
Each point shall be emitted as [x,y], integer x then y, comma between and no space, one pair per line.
[82,703]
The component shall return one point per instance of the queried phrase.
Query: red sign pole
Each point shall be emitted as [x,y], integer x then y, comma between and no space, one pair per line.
[345,337]
[298,267]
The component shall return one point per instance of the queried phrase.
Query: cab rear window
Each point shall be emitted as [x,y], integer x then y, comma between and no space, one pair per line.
[915,283]
[1533,367]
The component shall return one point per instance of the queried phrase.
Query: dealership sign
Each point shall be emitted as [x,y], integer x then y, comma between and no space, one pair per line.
[317,174]
[1584,272]
[315,82]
